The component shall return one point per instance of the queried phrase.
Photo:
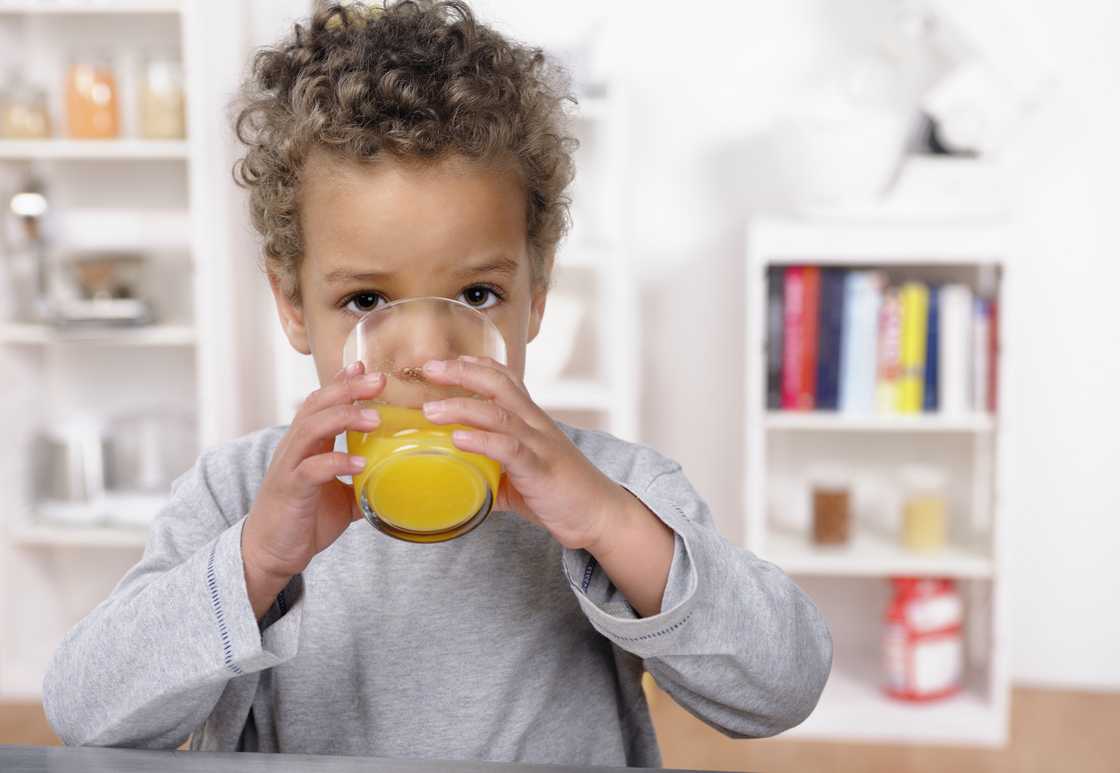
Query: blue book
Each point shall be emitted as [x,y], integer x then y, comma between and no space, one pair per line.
[930,400]
[830,332]
[863,296]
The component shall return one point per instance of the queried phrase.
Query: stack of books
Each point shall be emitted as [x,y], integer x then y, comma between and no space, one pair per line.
[847,340]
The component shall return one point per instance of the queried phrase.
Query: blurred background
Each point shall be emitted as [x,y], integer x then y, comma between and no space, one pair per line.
[849,261]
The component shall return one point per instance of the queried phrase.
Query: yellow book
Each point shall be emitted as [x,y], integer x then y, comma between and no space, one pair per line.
[915,315]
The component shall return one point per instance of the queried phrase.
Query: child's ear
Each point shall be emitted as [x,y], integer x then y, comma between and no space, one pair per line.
[536,312]
[291,316]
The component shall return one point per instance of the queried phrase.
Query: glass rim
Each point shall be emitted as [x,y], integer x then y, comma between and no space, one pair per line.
[392,305]
[402,301]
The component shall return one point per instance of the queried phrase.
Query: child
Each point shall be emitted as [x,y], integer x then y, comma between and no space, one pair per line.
[393,153]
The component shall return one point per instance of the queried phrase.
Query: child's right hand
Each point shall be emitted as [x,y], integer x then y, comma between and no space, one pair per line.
[302,507]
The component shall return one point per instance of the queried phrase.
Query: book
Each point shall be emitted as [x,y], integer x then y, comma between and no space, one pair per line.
[933,334]
[863,295]
[993,355]
[914,299]
[793,313]
[810,323]
[775,286]
[954,376]
[888,352]
[831,328]
[980,343]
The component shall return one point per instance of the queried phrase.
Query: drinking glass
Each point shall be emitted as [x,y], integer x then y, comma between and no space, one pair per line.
[417,486]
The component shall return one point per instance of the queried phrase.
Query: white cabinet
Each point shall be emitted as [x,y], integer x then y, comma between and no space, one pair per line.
[850,584]
[169,200]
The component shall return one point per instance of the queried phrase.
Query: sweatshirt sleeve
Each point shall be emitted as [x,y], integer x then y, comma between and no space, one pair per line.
[147,666]
[736,643]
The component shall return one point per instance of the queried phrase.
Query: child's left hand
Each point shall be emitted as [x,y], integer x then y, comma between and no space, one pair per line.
[547,479]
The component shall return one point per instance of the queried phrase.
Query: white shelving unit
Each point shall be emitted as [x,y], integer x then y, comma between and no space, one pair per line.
[849,583]
[166,199]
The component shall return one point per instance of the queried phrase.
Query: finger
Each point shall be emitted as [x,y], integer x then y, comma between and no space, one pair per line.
[315,471]
[353,370]
[490,362]
[483,381]
[348,389]
[515,456]
[478,414]
[313,432]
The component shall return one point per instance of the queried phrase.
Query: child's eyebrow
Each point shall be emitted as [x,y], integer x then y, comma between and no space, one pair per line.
[500,265]
[503,265]
[345,276]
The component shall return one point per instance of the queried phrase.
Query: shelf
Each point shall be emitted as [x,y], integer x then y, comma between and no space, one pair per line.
[785,242]
[150,335]
[822,421]
[869,555]
[73,536]
[573,396]
[853,707]
[90,6]
[93,150]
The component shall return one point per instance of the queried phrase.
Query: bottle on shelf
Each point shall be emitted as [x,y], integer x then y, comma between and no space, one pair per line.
[23,111]
[91,99]
[162,115]
[925,509]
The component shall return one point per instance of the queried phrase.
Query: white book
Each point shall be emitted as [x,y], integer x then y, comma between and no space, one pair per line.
[979,355]
[954,338]
[863,292]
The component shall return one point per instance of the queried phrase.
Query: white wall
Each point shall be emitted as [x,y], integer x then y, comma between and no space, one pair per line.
[1063,558]
[705,80]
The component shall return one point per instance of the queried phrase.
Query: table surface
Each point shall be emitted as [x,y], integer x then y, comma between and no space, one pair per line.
[54,759]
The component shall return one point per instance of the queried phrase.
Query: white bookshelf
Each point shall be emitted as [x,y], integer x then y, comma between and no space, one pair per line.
[849,583]
[171,201]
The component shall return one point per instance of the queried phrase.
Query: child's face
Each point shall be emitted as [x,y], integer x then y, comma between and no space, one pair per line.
[386,231]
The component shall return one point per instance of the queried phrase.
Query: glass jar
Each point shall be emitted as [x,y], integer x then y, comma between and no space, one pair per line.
[162,112]
[23,113]
[91,99]
[925,508]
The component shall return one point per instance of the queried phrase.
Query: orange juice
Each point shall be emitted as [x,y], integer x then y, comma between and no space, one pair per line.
[417,483]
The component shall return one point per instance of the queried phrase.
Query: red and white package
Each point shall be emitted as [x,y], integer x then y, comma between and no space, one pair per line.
[922,639]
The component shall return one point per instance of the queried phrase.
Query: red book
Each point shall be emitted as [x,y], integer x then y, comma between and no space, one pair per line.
[810,324]
[792,338]
[993,355]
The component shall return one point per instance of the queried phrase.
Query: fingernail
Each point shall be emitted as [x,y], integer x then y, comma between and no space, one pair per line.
[371,415]
[357,463]
[372,378]
[469,358]
[460,436]
[435,366]
[353,368]
[432,409]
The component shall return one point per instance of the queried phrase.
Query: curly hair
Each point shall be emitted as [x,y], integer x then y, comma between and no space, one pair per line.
[416,80]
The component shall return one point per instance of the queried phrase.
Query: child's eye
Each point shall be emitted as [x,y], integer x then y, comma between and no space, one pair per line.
[480,296]
[360,303]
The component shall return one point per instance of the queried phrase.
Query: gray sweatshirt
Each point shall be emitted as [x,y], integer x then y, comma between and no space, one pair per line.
[500,645]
